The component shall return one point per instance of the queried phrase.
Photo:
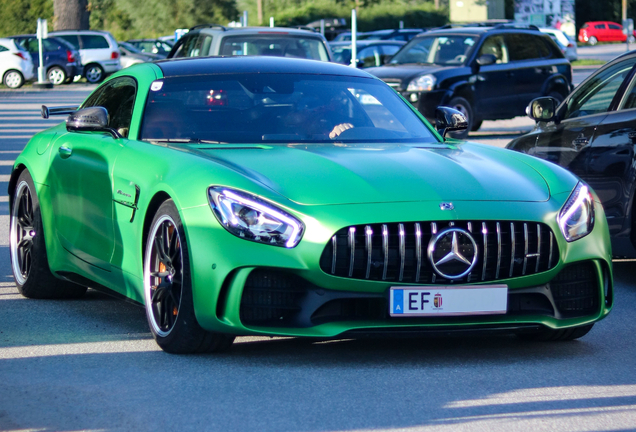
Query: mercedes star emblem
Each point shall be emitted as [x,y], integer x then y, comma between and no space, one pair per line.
[452,253]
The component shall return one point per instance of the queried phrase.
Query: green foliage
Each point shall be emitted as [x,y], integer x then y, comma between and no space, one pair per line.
[20,16]
[372,14]
[150,18]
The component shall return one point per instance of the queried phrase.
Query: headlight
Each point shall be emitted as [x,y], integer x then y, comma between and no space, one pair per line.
[576,218]
[253,219]
[422,83]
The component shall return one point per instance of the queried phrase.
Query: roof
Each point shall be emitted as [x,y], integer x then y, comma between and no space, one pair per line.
[367,42]
[259,30]
[253,64]
[477,30]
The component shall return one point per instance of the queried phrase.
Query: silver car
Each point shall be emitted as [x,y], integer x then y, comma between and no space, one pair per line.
[567,45]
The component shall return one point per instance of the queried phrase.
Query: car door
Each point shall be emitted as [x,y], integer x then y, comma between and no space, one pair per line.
[615,32]
[570,142]
[612,159]
[490,101]
[600,31]
[80,177]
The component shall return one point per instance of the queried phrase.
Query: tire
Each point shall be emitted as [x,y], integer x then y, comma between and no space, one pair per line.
[592,40]
[94,73]
[29,261]
[13,79]
[168,289]
[547,334]
[56,75]
[476,126]
[463,106]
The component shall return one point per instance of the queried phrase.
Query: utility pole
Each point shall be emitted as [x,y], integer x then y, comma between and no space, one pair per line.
[437,4]
[259,11]
[624,9]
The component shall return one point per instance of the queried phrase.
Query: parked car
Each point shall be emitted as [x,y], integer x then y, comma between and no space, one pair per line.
[392,34]
[61,60]
[16,66]
[487,73]
[209,40]
[98,51]
[593,134]
[370,52]
[159,47]
[131,55]
[594,32]
[567,45]
[288,197]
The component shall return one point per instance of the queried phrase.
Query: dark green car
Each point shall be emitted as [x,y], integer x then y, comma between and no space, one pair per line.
[272,196]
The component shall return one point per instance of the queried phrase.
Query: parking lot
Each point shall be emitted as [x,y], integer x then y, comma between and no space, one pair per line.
[91,364]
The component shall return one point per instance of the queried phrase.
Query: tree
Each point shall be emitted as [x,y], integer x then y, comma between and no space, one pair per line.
[20,16]
[71,14]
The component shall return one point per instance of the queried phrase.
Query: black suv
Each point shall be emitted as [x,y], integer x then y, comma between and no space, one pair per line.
[487,73]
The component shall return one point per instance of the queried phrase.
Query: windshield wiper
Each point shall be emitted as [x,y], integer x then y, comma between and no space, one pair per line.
[185,141]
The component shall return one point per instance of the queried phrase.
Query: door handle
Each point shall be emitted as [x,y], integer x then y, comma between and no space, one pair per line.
[65,152]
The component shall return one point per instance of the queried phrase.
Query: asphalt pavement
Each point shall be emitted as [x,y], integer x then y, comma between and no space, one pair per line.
[91,364]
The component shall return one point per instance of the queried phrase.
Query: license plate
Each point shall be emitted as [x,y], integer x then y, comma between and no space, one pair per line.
[448,300]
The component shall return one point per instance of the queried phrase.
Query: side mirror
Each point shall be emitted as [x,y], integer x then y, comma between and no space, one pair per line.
[449,119]
[486,59]
[93,119]
[542,109]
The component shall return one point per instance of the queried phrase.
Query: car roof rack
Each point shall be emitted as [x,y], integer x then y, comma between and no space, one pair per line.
[517,26]
[222,27]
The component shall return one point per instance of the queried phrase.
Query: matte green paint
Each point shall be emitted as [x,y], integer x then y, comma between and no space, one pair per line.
[88,228]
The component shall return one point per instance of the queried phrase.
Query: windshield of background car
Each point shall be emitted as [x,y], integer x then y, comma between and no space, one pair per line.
[439,50]
[279,45]
[279,108]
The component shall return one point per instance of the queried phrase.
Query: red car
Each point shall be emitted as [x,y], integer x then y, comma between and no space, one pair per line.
[601,31]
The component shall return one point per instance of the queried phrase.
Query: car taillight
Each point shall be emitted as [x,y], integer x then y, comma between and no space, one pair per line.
[114,55]
[69,57]
[570,45]
[19,54]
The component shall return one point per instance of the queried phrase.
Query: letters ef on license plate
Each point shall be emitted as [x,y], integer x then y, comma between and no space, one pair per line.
[449,300]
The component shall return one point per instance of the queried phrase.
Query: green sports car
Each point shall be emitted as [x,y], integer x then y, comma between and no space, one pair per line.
[273,196]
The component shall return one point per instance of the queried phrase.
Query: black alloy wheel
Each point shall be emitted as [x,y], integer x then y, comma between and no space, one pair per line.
[27,247]
[168,289]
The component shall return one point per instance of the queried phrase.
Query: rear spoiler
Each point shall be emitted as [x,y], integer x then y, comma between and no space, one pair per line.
[65,110]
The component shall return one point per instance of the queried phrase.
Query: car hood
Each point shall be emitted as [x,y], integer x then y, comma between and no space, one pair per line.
[349,174]
[403,73]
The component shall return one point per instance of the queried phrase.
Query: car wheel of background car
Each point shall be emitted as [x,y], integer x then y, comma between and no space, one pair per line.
[29,261]
[592,40]
[13,79]
[56,75]
[463,106]
[547,334]
[94,73]
[168,289]
[476,126]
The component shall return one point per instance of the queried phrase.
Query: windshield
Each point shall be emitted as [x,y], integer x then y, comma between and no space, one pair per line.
[273,44]
[440,50]
[279,108]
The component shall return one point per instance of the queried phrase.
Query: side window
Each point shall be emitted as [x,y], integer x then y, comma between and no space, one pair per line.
[543,47]
[522,47]
[118,97]
[615,27]
[389,50]
[49,45]
[94,42]
[496,46]
[596,95]
[205,45]
[190,47]
[72,39]
[32,45]
[600,26]
[369,56]
[3,48]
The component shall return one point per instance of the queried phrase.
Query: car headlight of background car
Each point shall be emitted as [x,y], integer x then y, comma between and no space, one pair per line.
[422,83]
[576,218]
[251,218]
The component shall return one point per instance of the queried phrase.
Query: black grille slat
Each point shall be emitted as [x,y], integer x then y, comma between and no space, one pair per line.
[495,265]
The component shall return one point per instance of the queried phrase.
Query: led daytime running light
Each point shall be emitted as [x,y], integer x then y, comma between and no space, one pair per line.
[582,197]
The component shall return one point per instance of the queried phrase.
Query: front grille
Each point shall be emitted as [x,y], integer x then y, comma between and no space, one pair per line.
[576,290]
[397,252]
[393,82]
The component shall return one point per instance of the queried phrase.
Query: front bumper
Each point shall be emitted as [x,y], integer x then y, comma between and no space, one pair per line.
[248,288]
